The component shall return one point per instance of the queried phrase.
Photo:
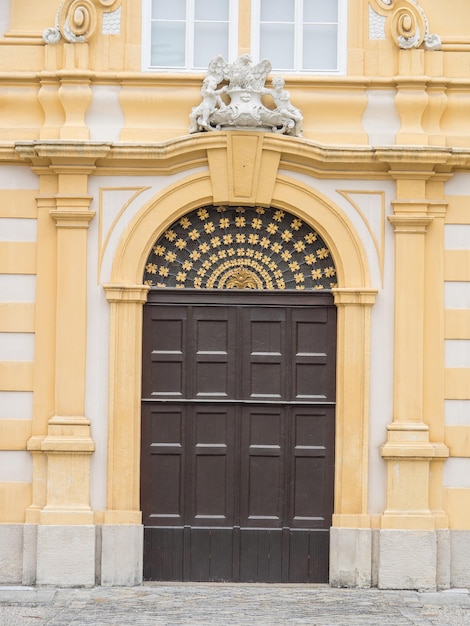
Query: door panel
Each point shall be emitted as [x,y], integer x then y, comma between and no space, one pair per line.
[262,467]
[237,466]
[211,470]
[263,331]
[212,342]
[165,332]
[162,465]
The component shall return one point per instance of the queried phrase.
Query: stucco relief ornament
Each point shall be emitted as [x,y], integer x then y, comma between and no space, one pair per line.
[245,110]
[409,25]
[76,20]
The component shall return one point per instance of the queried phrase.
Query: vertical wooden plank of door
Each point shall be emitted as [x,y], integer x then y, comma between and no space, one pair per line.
[212,482]
[162,491]
[262,495]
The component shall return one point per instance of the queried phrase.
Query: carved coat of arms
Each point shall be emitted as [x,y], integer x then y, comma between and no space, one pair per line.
[244,85]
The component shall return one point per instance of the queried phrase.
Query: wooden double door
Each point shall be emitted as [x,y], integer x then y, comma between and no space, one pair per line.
[237,463]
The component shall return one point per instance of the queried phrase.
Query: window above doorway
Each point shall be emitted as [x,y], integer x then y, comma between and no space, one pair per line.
[187,34]
[300,35]
[297,36]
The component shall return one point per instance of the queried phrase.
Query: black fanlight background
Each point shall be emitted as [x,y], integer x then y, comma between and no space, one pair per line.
[224,247]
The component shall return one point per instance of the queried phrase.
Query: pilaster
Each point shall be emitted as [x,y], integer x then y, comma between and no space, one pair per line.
[124,403]
[409,449]
[68,444]
[351,535]
[352,409]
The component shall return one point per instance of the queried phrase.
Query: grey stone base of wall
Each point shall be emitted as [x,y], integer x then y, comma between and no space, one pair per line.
[121,555]
[74,556]
[70,556]
[399,559]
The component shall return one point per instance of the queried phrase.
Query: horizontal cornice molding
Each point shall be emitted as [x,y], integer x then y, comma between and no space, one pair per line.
[188,152]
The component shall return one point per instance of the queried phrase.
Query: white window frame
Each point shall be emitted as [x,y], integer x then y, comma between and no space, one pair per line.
[189,42]
[341,44]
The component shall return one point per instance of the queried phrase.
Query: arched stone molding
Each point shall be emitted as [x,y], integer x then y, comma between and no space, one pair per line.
[354,297]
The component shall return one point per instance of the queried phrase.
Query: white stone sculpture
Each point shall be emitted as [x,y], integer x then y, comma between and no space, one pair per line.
[245,90]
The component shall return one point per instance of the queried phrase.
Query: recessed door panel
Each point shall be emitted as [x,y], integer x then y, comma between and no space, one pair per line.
[211,475]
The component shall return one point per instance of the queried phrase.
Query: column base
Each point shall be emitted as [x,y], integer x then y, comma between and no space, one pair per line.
[407,560]
[66,556]
[11,554]
[351,557]
[121,566]
[460,558]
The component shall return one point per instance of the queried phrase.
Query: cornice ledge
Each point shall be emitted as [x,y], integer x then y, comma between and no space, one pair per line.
[425,155]
[59,151]
[408,24]
[8,154]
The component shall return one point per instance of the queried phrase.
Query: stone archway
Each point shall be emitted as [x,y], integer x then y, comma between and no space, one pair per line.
[353,297]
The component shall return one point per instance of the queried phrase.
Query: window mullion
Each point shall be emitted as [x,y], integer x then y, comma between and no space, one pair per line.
[299,34]
[255,29]
[190,13]
[233,30]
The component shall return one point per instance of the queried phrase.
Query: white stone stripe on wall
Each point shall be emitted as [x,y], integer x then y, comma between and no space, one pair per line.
[16,346]
[17,288]
[457,352]
[12,229]
[457,295]
[13,177]
[16,404]
[457,473]
[16,467]
[457,236]
[105,118]
[457,412]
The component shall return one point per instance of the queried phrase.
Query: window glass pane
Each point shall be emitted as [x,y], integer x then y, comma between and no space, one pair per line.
[169,10]
[319,47]
[277,10]
[210,39]
[277,45]
[211,9]
[168,44]
[320,10]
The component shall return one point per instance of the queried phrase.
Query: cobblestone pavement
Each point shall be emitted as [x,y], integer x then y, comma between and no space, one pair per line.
[200,604]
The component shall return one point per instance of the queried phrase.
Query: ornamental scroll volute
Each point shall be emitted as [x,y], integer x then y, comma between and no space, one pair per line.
[408,24]
[78,20]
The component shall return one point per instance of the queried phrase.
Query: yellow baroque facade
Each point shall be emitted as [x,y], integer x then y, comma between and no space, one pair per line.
[98,172]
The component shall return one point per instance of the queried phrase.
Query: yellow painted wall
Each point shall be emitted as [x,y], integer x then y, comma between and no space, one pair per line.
[46,94]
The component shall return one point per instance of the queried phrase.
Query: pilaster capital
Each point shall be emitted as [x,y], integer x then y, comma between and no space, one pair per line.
[437,208]
[410,224]
[73,218]
[136,294]
[350,295]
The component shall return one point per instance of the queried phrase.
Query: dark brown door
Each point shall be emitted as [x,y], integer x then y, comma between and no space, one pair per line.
[237,435]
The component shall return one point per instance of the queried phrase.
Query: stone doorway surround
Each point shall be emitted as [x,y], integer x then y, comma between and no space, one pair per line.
[243,170]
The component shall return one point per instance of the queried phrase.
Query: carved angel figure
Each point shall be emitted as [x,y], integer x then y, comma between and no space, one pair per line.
[211,100]
[283,104]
